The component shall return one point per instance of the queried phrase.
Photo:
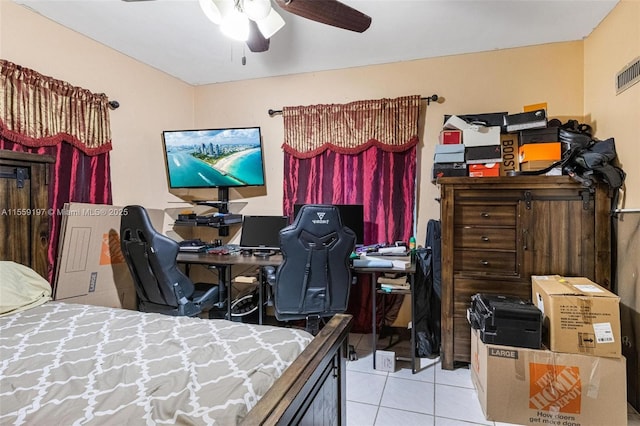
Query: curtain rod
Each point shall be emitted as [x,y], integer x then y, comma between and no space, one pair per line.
[432,98]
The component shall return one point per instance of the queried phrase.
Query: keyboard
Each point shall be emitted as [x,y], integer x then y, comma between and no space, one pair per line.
[192,246]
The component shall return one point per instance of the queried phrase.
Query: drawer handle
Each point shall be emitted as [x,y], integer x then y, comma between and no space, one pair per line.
[485,239]
[484,214]
[484,262]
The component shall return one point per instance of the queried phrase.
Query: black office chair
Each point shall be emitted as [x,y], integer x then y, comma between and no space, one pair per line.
[314,278]
[160,285]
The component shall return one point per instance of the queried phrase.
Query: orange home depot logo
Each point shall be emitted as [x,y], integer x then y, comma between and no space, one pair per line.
[555,388]
[110,252]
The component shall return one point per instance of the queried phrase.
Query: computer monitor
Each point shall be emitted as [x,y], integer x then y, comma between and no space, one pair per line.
[352,216]
[262,233]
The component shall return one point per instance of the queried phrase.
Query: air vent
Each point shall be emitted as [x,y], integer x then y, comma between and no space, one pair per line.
[628,76]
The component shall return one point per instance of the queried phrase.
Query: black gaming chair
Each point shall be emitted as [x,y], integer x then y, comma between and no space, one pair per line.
[314,278]
[160,285]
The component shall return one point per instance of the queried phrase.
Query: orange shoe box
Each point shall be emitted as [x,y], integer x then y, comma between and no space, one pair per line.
[484,170]
[540,152]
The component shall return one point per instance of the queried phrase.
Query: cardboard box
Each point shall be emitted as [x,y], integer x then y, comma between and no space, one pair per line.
[485,118]
[451,153]
[449,169]
[483,154]
[509,151]
[579,316]
[533,386]
[540,151]
[548,134]
[449,137]
[536,165]
[477,135]
[484,170]
[91,268]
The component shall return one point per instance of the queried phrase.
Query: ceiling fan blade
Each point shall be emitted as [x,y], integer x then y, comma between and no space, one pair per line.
[256,41]
[329,12]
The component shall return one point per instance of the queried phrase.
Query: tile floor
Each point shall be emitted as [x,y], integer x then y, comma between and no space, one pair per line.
[431,397]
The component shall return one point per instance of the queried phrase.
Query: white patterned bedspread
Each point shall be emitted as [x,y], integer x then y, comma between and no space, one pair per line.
[66,364]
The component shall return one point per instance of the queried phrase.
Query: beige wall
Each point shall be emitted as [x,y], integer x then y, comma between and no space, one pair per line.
[152,101]
[487,82]
[614,44]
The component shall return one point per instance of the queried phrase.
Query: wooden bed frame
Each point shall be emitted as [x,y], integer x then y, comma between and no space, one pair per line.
[313,389]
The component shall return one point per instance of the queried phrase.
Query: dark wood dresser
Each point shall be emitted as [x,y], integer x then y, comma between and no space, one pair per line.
[498,231]
[24,203]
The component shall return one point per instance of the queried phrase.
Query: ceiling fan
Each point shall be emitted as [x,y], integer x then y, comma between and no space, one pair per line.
[256,21]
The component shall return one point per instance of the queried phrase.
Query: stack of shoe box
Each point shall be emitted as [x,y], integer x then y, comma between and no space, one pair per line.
[539,143]
[476,141]
[449,155]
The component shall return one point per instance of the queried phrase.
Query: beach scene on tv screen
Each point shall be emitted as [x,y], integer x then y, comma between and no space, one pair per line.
[208,158]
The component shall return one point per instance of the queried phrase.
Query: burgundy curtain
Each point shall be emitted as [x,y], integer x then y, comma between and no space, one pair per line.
[359,153]
[39,114]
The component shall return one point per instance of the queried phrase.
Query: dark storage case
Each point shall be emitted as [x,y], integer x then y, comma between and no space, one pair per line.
[506,320]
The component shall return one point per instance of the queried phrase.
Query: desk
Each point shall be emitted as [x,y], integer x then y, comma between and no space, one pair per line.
[374,275]
[223,264]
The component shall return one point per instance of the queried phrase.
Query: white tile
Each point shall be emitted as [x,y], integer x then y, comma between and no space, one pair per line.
[364,364]
[364,387]
[389,416]
[409,395]
[459,377]
[359,414]
[458,403]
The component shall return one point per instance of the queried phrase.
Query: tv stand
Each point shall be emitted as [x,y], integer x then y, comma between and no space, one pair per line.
[222,204]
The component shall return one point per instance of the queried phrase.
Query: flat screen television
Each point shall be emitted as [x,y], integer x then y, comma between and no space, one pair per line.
[214,158]
[352,216]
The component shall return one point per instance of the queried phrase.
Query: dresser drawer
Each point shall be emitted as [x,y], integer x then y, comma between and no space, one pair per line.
[486,262]
[484,238]
[485,214]
[465,288]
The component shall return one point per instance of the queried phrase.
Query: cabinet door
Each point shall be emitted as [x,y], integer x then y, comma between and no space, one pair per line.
[558,236]
[24,221]
[15,223]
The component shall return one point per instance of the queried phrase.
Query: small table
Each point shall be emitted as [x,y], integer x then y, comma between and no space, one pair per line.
[411,271]
[224,262]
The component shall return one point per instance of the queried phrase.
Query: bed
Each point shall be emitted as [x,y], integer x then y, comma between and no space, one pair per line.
[63,363]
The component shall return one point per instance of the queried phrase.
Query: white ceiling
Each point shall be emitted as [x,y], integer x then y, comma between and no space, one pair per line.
[174,35]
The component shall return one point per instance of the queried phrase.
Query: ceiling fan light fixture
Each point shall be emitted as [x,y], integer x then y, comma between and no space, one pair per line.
[211,11]
[271,24]
[235,25]
[256,9]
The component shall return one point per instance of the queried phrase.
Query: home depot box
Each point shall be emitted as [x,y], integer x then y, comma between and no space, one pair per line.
[509,150]
[533,386]
[540,151]
[91,268]
[579,316]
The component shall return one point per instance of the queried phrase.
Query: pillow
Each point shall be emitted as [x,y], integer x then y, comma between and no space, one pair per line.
[21,288]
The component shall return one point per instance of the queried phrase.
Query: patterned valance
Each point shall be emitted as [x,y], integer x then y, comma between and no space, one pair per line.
[36,110]
[390,124]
